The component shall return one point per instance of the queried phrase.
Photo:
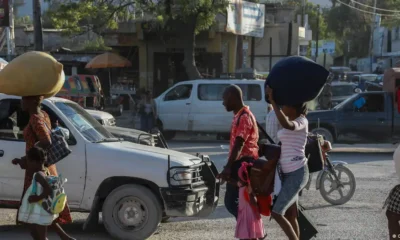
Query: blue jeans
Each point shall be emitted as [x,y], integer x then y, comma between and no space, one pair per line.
[147,122]
[231,200]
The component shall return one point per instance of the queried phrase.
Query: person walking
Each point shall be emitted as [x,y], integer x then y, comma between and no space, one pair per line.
[37,133]
[243,144]
[147,112]
[392,203]
[293,162]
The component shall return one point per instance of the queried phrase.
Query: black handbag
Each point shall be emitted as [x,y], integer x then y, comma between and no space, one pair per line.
[307,227]
[313,153]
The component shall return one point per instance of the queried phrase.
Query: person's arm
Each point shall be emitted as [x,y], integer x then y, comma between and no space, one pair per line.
[42,132]
[46,189]
[20,161]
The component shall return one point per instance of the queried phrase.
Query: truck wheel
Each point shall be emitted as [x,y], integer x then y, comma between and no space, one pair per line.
[324,132]
[131,212]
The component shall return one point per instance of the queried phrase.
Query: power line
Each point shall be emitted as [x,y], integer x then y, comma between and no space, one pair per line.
[380,9]
[364,11]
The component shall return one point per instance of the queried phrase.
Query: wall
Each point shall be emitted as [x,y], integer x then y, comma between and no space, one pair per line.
[279,35]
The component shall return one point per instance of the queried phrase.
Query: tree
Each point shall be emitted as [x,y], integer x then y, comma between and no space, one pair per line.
[37,25]
[184,18]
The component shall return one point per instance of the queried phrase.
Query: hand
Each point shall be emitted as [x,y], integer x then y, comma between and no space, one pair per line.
[33,199]
[225,174]
[270,94]
[15,161]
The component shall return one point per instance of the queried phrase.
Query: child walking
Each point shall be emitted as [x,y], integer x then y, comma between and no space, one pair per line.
[31,211]
[249,224]
[293,162]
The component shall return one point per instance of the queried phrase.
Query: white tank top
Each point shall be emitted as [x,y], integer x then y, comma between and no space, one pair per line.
[148,108]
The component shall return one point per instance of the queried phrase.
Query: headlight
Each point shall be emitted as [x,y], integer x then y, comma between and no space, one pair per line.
[179,177]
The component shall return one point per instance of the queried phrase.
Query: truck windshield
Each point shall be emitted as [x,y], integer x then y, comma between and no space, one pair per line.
[342,90]
[91,129]
[344,103]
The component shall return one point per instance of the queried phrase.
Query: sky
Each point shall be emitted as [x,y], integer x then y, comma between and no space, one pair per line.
[322,2]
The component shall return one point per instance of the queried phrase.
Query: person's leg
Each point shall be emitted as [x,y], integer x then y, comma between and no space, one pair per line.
[60,232]
[143,124]
[33,231]
[291,216]
[393,225]
[232,199]
[292,184]
[41,232]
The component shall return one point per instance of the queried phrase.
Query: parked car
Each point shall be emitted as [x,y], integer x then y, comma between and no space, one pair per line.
[361,79]
[154,139]
[108,175]
[348,76]
[339,72]
[196,106]
[376,122]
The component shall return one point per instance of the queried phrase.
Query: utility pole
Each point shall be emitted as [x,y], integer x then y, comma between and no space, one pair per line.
[317,35]
[37,25]
[371,40]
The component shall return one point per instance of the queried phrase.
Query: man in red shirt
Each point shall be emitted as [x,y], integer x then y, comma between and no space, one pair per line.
[243,144]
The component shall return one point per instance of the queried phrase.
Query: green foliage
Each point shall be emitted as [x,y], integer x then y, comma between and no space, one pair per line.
[96,45]
[22,21]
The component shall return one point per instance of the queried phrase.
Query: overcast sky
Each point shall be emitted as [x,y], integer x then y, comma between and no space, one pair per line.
[322,2]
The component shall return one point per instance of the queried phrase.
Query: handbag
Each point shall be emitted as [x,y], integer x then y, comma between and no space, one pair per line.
[58,149]
[313,153]
[307,227]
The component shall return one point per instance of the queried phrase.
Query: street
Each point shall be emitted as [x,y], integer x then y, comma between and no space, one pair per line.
[361,218]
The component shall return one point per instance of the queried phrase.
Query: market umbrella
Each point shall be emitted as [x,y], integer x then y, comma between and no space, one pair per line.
[108,60]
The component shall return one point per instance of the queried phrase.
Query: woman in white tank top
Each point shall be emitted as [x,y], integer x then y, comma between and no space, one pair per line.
[147,112]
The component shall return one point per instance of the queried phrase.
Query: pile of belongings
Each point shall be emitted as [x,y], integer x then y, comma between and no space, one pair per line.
[32,74]
[296,80]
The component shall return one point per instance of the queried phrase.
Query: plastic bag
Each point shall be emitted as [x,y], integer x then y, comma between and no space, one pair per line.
[296,80]
[32,74]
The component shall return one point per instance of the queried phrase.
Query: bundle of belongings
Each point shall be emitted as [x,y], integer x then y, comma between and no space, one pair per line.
[32,74]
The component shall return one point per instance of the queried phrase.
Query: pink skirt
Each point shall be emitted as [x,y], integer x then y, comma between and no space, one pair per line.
[249,223]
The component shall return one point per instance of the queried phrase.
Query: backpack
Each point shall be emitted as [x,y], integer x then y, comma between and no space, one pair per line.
[56,202]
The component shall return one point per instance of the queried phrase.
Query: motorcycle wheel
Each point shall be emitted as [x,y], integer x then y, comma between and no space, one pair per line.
[329,187]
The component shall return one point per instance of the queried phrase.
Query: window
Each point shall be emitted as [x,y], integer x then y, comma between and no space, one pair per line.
[214,92]
[342,90]
[211,92]
[180,92]
[369,103]
[251,92]
[12,120]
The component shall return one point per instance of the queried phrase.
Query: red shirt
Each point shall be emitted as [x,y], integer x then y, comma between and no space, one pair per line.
[246,129]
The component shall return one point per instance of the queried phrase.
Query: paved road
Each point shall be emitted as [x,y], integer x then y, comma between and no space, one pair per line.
[361,218]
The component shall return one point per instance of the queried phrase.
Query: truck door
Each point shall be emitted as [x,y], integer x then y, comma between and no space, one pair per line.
[369,122]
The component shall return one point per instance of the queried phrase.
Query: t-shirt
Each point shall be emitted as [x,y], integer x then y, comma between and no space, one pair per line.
[272,126]
[293,145]
[246,129]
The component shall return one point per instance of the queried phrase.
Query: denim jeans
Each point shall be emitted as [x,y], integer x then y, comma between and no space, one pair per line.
[232,190]
[146,122]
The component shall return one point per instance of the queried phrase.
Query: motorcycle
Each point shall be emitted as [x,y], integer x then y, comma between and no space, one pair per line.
[334,179]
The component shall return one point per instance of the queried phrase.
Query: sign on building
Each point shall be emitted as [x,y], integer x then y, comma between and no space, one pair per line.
[4,14]
[246,18]
[327,46]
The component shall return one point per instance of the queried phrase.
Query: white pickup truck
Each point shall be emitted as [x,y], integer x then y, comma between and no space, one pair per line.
[134,186]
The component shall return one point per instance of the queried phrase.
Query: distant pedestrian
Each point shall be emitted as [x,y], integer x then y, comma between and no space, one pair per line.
[147,112]
[325,98]
[293,163]
[392,203]
[243,144]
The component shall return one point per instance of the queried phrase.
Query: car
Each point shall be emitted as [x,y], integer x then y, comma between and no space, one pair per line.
[154,139]
[339,72]
[348,76]
[196,106]
[108,175]
[362,78]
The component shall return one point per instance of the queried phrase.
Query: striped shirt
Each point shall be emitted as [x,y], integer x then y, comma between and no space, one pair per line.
[293,145]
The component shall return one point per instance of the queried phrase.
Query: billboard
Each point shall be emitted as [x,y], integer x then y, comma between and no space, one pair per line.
[246,18]
[323,45]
